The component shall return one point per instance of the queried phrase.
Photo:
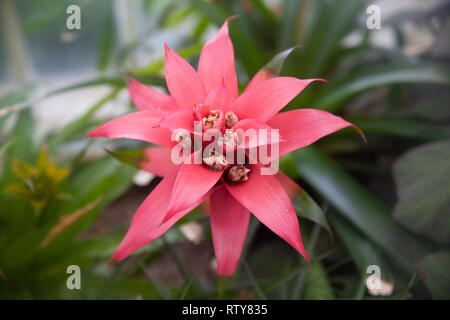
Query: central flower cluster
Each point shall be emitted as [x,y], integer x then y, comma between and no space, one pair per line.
[214,121]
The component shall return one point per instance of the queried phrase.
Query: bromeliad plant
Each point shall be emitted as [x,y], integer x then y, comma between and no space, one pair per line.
[210,95]
[37,185]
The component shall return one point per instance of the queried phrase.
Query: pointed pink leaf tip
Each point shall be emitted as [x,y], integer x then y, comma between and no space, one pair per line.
[360,132]
[217,62]
[184,83]
[146,98]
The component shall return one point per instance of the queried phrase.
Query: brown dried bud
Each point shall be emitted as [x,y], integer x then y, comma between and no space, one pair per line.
[237,174]
[230,119]
[229,138]
[215,162]
[213,119]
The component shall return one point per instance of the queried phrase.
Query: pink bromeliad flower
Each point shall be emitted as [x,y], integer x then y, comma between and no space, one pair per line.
[210,95]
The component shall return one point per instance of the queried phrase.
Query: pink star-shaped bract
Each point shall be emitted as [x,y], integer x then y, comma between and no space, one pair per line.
[211,95]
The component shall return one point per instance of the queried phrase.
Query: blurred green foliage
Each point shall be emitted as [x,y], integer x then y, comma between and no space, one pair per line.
[399,101]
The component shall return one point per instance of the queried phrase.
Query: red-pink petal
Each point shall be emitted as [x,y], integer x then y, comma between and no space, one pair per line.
[218,97]
[168,223]
[217,63]
[136,125]
[265,99]
[229,224]
[147,218]
[180,119]
[184,84]
[157,161]
[147,98]
[303,127]
[192,183]
[265,198]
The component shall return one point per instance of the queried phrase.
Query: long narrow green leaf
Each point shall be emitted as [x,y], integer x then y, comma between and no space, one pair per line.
[105,42]
[337,19]
[333,97]
[77,127]
[15,97]
[400,127]
[266,12]
[291,12]
[361,208]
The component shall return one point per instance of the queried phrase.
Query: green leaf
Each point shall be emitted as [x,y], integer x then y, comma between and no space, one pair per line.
[303,203]
[318,285]
[176,16]
[333,97]
[307,208]
[24,146]
[79,126]
[400,127]
[361,208]
[5,147]
[266,12]
[19,96]
[435,272]
[106,178]
[363,251]
[117,82]
[114,81]
[106,42]
[200,28]
[336,20]
[274,66]
[422,178]
[130,157]
[291,12]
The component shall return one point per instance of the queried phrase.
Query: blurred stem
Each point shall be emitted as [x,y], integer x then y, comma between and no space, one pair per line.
[161,290]
[361,289]
[114,279]
[253,281]
[186,289]
[312,244]
[291,274]
[302,276]
[177,260]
